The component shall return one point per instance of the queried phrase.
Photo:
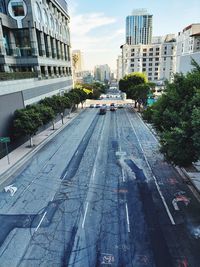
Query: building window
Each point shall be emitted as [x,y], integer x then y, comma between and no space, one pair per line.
[157,49]
[157,53]
[132,65]
[164,58]
[150,54]
[156,74]
[151,49]
[150,69]
[144,64]
[156,64]
[144,54]
[144,69]
[150,64]
[157,59]
[150,59]
[18,9]
[165,53]
[144,50]
[144,59]
[150,74]
[132,59]
[2,7]
[132,54]
[22,41]
[156,68]
[133,50]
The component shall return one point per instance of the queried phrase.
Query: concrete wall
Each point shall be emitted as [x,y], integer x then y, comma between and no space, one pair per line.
[8,105]
[184,62]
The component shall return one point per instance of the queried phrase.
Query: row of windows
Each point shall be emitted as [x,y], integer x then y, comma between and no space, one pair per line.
[144,64]
[51,22]
[145,49]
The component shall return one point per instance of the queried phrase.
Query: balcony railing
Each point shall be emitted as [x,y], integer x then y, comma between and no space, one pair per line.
[5,76]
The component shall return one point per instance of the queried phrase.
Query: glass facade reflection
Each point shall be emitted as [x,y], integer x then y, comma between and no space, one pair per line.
[139,29]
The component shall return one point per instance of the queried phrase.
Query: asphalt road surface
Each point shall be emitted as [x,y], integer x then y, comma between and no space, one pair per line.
[100,194]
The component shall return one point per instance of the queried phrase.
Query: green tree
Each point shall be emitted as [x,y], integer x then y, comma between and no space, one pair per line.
[135,86]
[82,95]
[26,123]
[176,116]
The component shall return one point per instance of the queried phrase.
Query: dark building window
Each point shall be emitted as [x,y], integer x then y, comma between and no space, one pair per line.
[157,49]
[2,7]
[18,9]
[23,44]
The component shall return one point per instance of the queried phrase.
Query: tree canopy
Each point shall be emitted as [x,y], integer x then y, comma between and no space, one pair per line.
[176,116]
[136,87]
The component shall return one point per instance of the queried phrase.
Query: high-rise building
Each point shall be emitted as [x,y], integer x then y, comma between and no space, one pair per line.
[78,55]
[139,27]
[34,44]
[102,73]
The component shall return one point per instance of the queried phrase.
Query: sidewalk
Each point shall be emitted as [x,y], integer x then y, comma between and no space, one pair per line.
[24,152]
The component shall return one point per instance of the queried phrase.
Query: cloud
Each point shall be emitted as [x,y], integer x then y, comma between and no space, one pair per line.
[84,23]
[94,34]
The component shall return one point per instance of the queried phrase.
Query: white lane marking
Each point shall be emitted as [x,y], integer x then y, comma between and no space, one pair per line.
[76,153]
[83,223]
[123,175]
[127,218]
[93,173]
[41,221]
[157,186]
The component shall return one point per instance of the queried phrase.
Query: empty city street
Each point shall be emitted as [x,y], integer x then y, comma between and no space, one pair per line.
[100,194]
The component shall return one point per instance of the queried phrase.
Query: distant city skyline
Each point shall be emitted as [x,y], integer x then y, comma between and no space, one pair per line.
[98,27]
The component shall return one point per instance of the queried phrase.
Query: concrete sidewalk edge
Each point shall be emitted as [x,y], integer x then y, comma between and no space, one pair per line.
[4,177]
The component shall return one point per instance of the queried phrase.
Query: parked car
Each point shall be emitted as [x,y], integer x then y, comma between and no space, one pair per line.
[92,106]
[98,105]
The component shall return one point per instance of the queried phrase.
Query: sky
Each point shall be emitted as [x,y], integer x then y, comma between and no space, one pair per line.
[98,26]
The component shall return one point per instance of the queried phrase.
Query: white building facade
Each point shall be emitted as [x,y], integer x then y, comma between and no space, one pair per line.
[188,47]
[102,73]
[157,60]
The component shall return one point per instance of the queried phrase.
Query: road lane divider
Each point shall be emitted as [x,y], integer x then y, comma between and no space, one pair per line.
[127,218]
[84,218]
[155,180]
[41,221]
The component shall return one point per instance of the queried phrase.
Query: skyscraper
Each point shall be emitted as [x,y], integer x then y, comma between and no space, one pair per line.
[139,27]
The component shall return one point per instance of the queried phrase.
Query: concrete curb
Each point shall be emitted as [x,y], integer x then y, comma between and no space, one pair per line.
[4,177]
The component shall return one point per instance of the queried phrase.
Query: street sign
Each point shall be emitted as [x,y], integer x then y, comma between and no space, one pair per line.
[4,139]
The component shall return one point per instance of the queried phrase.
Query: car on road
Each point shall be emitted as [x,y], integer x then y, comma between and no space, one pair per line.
[102,111]
[98,106]
[92,106]
[120,106]
[113,108]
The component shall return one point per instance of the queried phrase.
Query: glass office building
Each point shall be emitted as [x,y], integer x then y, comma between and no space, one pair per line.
[139,27]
